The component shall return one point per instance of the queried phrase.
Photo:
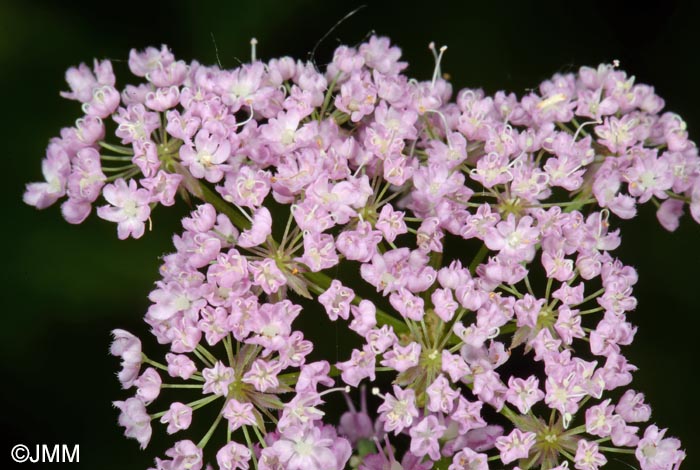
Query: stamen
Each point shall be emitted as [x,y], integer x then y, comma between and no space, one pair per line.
[375,392]
[444,122]
[345,389]
[245,214]
[598,121]
[516,160]
[566,420]
[354,175]
[250,117]
[438,59]
[253,43]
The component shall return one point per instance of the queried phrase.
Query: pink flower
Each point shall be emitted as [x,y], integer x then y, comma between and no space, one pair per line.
[515,445]
[238,414]
[148,385]
[217,379]
[206,158]
[632,407]
[402,358]
[148,60]
[128,348]
[233,456]
[336,300]
[588,457]
[357,97]
[424,437]
[135,420]
[55,168]
[82,81]
[467,459]
[129,208]
[398,411]
[361,365]
[263,375]
[513,239]
[186,456]
[267,275]
[524,393]
[319,252]
[441,396]
[655,452]
[311,448]
[178,417]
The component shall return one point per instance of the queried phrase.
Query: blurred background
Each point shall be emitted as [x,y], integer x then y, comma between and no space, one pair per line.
[65,287]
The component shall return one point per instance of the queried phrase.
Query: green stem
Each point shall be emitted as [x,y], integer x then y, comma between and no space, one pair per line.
[181,385]
[206,353]
[155,364]
[211,430]
[229,349]
[591,297]
[250,445]
[106,169]
[202,358]
[117,148]
[195,405]
[615,449]
[115,158]
[260,436]
[480,255]
[327,98]
[223,207]
[680,197]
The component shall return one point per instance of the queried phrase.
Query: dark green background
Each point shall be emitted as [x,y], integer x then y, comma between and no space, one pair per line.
[65,287]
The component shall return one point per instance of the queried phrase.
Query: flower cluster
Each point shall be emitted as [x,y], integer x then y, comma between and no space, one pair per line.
[509,353]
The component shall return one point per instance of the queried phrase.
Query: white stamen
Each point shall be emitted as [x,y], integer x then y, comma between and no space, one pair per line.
[438,59]
[253,43]
[566,420]
[245,214]
[250,117]
[598,121]
[444,122]
[345,389]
